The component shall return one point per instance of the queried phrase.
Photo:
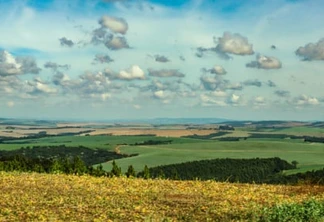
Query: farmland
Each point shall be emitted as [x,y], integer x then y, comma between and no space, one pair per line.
[63,197]
[50,197]
[188,142]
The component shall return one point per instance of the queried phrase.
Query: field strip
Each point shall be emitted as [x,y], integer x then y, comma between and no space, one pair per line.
[230,150]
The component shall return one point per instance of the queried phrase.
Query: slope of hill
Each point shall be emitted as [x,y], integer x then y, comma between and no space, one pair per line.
[49,197]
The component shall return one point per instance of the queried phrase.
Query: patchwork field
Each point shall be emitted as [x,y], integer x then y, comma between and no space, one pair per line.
[248,140]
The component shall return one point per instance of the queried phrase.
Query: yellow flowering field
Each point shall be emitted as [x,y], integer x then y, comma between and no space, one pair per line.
[52,197]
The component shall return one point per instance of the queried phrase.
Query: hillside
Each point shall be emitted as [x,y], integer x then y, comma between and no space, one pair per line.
[44,197]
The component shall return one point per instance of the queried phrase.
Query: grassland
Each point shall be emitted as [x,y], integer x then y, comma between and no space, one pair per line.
[305,154]
[48,197]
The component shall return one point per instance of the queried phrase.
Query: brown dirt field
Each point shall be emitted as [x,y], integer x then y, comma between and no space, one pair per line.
[157,132]
[171,132]
[20,132]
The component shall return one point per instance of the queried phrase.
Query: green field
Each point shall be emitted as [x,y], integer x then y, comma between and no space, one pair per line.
[310,156]
[304,153]
[105,142]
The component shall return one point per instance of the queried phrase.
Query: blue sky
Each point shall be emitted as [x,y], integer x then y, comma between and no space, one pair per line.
[112,59]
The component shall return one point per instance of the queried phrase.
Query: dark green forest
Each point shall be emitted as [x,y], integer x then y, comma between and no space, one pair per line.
[231,170]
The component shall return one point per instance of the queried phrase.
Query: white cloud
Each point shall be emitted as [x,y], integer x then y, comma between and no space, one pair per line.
[116,25]
[265,62]
[159,94]
[305,100]
[208,101]
[134,72]
[234,44]
[8,64]
[105,96]
[312,51]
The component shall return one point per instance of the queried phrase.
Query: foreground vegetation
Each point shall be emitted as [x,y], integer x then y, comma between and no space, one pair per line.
[52,197]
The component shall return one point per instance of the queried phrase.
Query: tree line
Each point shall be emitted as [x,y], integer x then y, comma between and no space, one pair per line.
[257,170]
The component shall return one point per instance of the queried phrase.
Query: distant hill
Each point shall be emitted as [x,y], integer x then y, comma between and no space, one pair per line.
[27,122]
[188,120]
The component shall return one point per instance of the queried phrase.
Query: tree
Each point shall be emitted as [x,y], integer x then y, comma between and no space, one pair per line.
[115,171]
[78,166]
[294,162]
[146,172]
[131,171]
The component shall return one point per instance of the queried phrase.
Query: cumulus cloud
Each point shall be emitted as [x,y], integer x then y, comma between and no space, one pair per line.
[66,42]
[100,35]
[234,100]
[229,43]
[100,58]
[116,43]
[10,84]
[265,62]
[312,51]
[159,94]
[215,82]
[164,96]
[29,65]
[9,65]
[305,100]
[282,93]
[218,70]
[208,100]
[60,78]
[134,72]
[251,82]
[166,73]
[114,24]
[234,44]
[38,86]
[211,83]
[105,96]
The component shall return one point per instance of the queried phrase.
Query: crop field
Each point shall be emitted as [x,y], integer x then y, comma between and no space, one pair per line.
[310,156]
[88,129]
[51,197]
[306,154]
[106,142]
[261,140]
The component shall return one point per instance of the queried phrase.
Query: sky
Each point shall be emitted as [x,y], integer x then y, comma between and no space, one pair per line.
[135,59]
